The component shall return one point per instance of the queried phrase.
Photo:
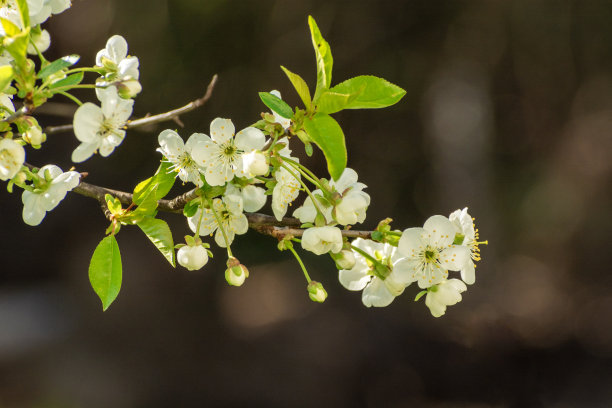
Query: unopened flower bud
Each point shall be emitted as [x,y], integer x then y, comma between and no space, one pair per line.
[34,136]
[129,88]
[192,257]
[236,273]
[255,163]
[316,292]
[345,259]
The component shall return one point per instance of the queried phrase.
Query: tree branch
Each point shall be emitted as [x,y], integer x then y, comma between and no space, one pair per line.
[149,120]
[262,223]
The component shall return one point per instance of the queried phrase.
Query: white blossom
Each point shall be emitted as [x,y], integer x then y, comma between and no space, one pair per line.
[380,285]
[101,127]
[47,8]
[431,252]
[115,58]
[446,293]
[468,237]
[229,211]
[192,257]
[286,190]
[12,156]
[255,163]
[178,153]
[352,208]
[221,153]
[253,197]
[321,240]
[36,204]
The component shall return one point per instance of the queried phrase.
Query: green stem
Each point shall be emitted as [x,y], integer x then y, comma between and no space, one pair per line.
[72,97]
[301,263]
[220,226]
[68,87]
[40,56]
[197,233]
[314,201]
[301,168]
[85,69]
[365,254]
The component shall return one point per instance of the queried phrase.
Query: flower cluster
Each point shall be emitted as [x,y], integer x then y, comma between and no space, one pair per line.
[422,255]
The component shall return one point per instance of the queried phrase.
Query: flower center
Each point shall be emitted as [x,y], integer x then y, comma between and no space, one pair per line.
[229,150]
[431,255]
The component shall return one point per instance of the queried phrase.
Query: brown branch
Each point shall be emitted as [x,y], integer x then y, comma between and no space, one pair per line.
[262,223]
[149,120]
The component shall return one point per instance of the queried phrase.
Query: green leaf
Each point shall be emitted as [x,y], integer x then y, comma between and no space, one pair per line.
[326,133]
[6,76]
[24,12]
[162,181]
[300,86]
[70,80]
[160,235]
[332,102]
[105,271]
[58,64]
[324,58]
[276,104]
[191,207]
[17,46]
[369,92]
[10,29]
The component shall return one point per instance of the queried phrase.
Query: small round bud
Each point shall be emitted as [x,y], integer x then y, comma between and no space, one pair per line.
[255,163]
[345,259]
[316,292]
[236,273]
[192,257]
[129,88]
[34,136]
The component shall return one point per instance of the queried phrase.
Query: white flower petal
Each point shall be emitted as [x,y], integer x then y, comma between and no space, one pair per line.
[253,198]
[221,130]
[356,278]
[376,294]
[84,151]
[411,242]
[250,139]
[468,273]
[454,257]
[440,230]
[88,120]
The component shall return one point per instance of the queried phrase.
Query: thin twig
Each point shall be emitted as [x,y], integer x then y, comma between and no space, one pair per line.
[148,120]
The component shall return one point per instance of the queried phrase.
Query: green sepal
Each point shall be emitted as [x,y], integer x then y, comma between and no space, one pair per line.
[58,65]
[366,92]
[6,77]
[326,133]
[276,104]
[420,295]
[160,235]
[70,80]
[324,59]
[300,86]
[105,271]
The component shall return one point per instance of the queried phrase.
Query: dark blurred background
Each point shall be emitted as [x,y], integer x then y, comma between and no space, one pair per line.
[508,111]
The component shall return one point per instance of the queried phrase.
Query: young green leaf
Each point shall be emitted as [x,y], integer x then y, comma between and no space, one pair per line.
[70,80]
[57,65]
[17,46]
[324,58]
[6,76]
[276,104]
[326,133]
[10,29]
[300,86]
[191,207]
[160,235]
[163,180]
[105,271]
[369,92]
[332,102]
